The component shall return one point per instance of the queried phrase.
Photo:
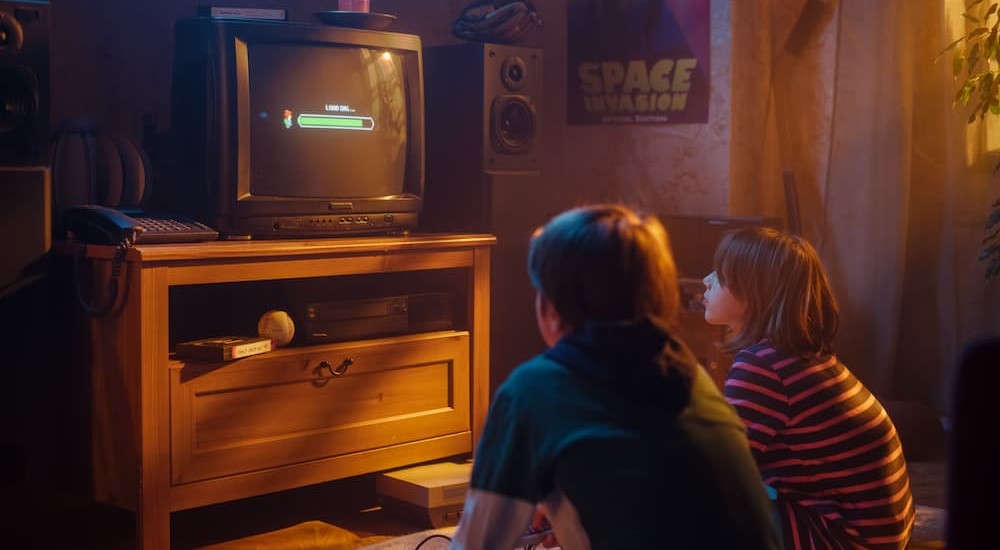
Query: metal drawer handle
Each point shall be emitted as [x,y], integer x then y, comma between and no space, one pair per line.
[341,369]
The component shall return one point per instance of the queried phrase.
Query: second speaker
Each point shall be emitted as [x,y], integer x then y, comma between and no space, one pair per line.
[483,118]
[483,174]
[24,81]
[488,96]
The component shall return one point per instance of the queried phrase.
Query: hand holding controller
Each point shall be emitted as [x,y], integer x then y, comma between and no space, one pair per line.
[539,532]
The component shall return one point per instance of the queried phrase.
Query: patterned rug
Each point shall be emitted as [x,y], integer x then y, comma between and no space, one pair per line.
[927,481]
[928,534]
[433,539]
[310,535]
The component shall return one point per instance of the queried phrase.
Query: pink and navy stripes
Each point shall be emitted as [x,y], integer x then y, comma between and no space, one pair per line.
[827,446]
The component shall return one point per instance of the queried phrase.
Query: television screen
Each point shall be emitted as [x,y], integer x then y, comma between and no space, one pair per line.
[326,117]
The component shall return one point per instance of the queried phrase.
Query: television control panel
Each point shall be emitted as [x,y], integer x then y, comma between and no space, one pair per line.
[320,225]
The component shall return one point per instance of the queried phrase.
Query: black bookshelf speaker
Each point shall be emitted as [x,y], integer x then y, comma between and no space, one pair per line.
[484,102]
[484,131]
[483,118]
[24,81]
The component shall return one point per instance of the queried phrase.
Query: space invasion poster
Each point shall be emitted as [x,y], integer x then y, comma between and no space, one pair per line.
[638,61]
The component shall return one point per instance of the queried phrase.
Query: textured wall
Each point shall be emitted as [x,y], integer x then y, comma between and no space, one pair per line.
[112,59]
[678,169]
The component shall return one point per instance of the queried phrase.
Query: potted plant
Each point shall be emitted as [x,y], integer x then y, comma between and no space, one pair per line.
[976,65]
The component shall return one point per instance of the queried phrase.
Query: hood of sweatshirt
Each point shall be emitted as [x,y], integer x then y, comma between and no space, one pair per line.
[640,359]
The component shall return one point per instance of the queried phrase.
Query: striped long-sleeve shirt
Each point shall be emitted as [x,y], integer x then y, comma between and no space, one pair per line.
[828,448]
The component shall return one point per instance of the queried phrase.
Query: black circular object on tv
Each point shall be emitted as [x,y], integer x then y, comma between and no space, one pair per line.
[356,19]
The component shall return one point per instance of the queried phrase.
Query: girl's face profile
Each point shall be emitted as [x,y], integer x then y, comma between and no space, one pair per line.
[721,307]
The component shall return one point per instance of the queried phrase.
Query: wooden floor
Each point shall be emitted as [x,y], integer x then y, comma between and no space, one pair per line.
[52,519]
[928,482]
[49,519]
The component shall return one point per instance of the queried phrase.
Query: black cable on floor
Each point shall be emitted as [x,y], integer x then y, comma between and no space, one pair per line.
[431,537]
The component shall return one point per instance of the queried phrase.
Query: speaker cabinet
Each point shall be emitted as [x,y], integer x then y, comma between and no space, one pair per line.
[24,82]
[25,217]
[493,94]
[483,127]
[483,105]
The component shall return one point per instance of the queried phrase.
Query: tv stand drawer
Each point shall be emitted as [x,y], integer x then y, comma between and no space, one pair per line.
[315,403]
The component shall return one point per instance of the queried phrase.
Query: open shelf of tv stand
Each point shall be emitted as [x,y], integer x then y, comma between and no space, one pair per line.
[168,435]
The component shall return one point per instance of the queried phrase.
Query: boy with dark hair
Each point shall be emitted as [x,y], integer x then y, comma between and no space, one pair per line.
[615,433]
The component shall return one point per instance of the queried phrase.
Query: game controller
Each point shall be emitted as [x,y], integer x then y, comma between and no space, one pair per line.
[534,536]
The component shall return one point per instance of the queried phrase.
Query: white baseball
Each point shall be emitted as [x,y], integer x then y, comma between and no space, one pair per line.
[276,325]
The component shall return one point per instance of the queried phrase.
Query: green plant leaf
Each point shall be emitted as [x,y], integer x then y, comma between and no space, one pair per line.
[966,92]
[991,11]
[985,81]
[973,57]
[990,236]
[956,65]
[994,217]
[992,255]
[993,269]
[976,32]
[972,5]
[949,47]
[971,17]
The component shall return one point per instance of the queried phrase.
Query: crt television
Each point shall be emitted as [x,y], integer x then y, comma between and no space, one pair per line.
[290,129]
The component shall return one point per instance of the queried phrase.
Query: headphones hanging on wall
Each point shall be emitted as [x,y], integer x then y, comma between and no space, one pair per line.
[501,21]
[94,164]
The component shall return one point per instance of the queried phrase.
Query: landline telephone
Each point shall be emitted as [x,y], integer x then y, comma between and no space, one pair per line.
[101,225]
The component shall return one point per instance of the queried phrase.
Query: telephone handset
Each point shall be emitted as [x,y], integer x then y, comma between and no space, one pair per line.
[96,224]
[99,225]
[102,225]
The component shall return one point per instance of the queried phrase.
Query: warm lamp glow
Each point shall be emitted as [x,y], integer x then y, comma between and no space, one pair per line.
[983,135]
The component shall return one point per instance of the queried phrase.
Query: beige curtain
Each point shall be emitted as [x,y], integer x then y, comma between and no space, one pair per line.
[845,98]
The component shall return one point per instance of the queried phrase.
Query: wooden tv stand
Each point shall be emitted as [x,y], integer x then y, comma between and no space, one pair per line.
[170,435]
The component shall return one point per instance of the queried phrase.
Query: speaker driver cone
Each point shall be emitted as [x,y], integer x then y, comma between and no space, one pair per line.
[11,34]
[18,100]
[513,124]
[513,71]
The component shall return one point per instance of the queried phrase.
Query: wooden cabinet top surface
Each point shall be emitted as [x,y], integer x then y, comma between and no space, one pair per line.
[285,248]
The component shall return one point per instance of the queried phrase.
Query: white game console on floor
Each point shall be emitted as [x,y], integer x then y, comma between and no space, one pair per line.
[431,494]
